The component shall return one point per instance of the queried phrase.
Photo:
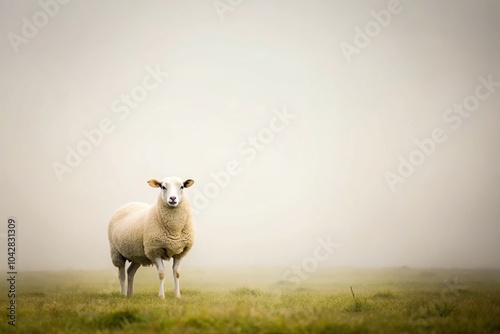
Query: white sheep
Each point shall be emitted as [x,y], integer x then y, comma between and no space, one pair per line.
[146,234]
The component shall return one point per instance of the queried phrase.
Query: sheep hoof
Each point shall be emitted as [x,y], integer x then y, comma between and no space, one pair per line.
[161,296]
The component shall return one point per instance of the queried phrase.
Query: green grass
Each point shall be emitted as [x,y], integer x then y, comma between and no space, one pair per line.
[393,300]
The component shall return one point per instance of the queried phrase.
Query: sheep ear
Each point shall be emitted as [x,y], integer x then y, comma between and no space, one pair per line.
[154,183]
[188,183]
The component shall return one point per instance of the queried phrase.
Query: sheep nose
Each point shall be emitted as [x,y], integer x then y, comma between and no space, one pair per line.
[173,198]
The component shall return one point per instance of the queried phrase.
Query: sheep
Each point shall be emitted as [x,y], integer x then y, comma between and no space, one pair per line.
[146,234]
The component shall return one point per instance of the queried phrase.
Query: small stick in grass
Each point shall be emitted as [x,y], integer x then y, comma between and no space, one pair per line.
[353,297]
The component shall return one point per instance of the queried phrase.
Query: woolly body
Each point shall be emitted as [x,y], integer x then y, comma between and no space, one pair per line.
[139,232]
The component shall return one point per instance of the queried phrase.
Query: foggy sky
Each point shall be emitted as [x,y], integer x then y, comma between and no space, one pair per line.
[321,173]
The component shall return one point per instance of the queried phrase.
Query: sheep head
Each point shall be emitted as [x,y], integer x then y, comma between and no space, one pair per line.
[171,189]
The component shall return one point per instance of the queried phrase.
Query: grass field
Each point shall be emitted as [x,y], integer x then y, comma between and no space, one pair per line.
[392,300]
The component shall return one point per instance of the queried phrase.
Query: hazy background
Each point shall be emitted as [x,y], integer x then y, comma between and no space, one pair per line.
[323,175]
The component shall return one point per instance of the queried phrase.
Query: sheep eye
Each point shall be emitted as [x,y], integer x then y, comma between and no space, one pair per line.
[162,187]
[182,187]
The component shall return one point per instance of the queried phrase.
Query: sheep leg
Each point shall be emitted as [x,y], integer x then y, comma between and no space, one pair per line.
[161,275]
[132,268]
[175,272]
[121,277]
